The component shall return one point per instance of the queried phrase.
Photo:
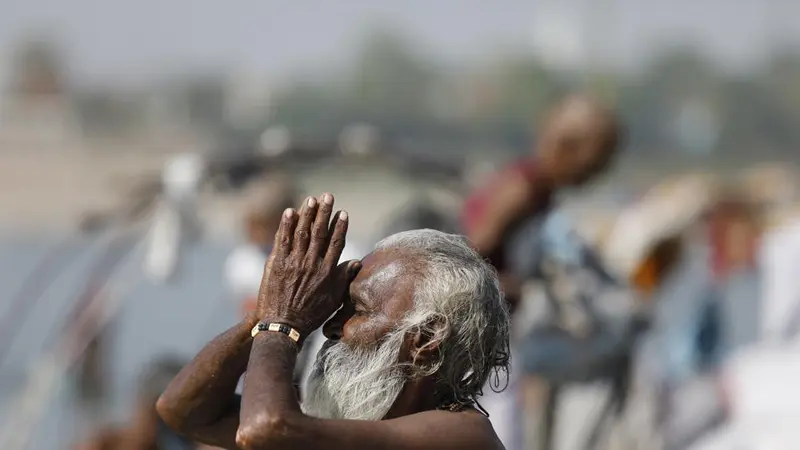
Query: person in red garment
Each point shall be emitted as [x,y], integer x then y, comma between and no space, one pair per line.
[501,219]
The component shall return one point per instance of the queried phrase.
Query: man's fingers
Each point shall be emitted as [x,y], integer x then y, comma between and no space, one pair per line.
[285,234]
[351,269]
[337,240]
[302,233]
[331,227]
[319,230]
[346,272]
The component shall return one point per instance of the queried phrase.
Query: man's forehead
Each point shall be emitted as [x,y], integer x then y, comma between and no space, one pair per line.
[384,273]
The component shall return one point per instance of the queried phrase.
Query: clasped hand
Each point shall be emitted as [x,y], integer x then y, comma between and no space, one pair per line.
[303,282]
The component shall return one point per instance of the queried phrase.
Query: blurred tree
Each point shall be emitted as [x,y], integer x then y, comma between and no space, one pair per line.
[678,83]
[205,100]
[751,123]
[390,77]
[780,87]
[680,101]
[526,89]
[310,108]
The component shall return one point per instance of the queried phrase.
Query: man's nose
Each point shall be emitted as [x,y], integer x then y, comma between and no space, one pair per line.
[333,329]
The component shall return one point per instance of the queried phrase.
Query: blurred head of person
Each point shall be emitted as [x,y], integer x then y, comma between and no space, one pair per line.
[578,140]
[425,315]
[265,202]
[736,221]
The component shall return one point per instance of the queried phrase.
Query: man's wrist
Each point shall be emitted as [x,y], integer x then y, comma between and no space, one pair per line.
[250,320]
[278,339]
[302,327]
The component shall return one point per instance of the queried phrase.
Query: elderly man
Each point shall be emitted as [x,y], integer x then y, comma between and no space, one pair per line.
[420,324]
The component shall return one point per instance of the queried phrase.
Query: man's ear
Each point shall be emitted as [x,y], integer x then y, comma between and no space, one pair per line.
[425,344]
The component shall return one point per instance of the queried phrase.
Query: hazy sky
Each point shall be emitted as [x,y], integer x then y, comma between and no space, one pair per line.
[136,39]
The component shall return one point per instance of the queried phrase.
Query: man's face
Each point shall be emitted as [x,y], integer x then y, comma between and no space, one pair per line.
[360,371]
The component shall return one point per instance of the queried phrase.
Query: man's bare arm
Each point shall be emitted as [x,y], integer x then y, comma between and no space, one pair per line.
[513,201]
[201,401]
[509,204]
[271,417]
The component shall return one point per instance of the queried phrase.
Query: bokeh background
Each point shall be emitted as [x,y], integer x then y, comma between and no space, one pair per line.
[378,102]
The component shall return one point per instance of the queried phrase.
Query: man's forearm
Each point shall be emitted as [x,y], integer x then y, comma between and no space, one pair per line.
[204,390]
[269,401]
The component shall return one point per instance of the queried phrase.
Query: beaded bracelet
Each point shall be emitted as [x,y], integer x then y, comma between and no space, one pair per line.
[276,327]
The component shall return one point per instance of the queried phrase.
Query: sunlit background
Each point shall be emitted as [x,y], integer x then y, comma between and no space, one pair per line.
[381,103]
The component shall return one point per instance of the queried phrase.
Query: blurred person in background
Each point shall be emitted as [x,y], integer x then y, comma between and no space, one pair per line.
[577,142]
[628,253]
[647,246]
[759,380]
[145,430]
[707,309]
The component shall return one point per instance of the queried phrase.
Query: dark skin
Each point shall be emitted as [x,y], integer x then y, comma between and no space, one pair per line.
[261,228]
[302,287]
[577,144]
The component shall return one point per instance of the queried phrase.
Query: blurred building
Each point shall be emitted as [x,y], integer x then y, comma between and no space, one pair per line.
[36,107]
[247,99]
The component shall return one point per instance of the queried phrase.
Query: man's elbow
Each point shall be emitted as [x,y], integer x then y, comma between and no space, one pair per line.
[263,432]
[170,414]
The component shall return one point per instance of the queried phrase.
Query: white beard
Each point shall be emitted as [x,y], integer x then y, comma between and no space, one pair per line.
[355,383]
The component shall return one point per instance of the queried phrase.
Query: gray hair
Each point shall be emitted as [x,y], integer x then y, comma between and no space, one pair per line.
[459,305]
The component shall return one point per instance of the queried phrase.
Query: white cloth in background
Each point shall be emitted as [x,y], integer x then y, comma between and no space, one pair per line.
[761,382]
[505,410]
[244,269]
[780,259]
